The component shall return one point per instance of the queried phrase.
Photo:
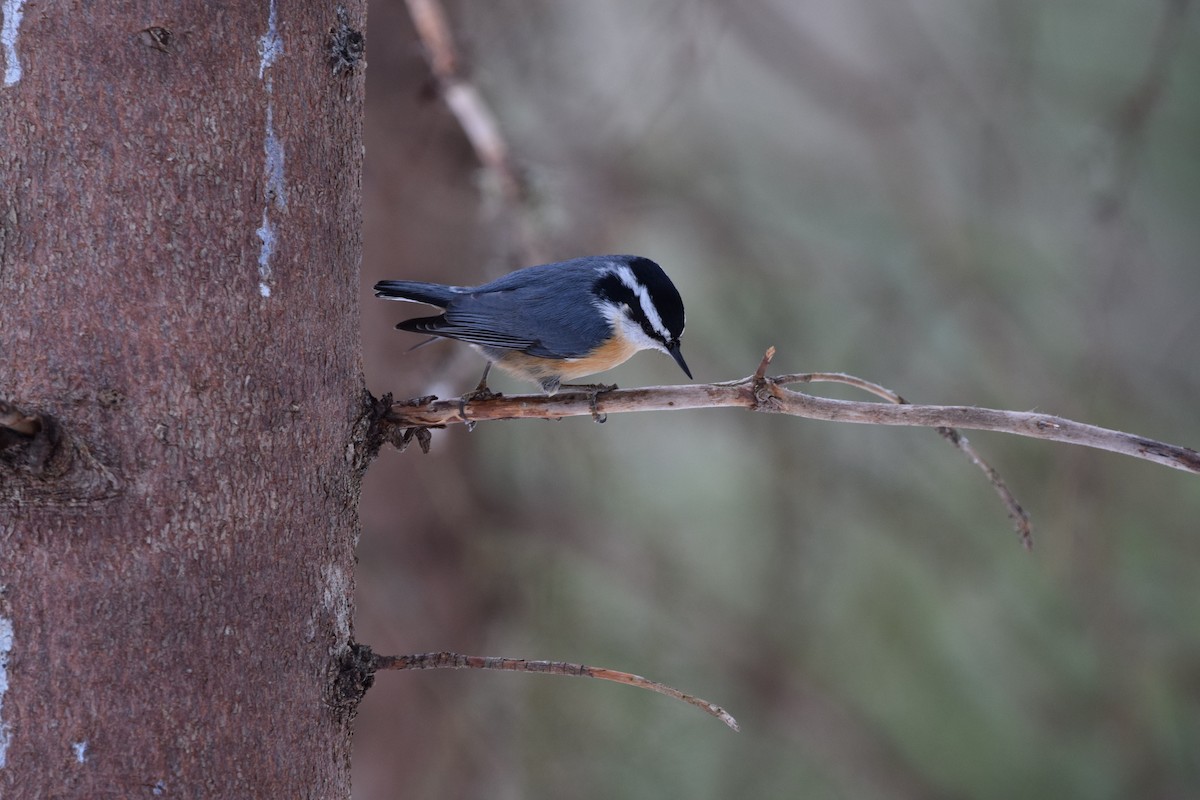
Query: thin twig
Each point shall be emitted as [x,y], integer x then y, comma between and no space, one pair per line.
[478,121]
[741,394]
[446,660]
[1016,512]
[761,372]
[841,377]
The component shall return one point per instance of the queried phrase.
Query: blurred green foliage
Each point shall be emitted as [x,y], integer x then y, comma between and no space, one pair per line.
[988,203]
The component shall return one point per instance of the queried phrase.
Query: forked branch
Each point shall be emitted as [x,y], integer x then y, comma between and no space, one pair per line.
[768,394]
[760,392]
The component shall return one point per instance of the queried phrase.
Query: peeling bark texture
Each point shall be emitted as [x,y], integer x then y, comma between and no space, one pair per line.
[179,359]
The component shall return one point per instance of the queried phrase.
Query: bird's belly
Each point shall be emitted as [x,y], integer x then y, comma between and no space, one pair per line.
[533,368]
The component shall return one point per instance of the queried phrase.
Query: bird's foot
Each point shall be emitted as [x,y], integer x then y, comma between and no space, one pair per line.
[480,392]
[594,390]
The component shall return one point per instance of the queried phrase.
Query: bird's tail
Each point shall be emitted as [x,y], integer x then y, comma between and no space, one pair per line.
[433,294]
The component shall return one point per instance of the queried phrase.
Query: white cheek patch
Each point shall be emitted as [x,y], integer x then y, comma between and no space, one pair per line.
[629,330]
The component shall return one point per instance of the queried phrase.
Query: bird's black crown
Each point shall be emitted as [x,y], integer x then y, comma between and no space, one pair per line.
[663,296]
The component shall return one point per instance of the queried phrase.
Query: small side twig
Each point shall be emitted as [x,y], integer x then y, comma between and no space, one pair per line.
[760,374]
[447,660]
[1016,512]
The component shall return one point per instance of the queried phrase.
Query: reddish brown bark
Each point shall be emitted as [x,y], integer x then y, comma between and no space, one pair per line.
[176,540]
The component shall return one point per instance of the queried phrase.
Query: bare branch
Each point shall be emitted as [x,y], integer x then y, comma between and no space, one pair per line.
[772,397]
[478,121]
[447,660]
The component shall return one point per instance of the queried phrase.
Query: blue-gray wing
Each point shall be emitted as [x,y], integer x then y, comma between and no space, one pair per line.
[545,311]
[464,331]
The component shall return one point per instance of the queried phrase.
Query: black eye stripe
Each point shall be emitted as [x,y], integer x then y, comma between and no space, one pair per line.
[614,290]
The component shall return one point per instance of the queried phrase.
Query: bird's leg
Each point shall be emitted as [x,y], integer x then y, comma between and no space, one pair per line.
[481,392]
[482,388]
[594,390]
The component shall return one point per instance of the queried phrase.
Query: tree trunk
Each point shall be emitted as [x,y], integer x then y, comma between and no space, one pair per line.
[179,361]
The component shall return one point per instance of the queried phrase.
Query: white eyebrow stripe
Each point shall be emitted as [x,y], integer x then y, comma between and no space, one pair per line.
[643,296]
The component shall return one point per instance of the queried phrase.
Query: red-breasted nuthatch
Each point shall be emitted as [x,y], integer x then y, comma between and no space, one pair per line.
[556,322]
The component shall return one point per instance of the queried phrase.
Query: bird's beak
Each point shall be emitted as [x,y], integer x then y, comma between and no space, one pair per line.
[673,349]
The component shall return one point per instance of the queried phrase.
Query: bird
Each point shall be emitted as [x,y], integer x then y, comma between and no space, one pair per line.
[556,322]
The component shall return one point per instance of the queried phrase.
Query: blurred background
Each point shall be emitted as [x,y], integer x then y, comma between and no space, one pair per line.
[986,202]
